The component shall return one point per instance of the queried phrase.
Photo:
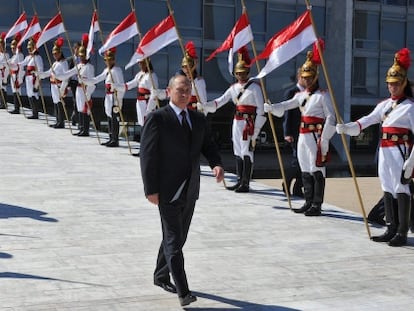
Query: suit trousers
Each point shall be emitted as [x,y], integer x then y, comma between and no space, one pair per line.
[175,220]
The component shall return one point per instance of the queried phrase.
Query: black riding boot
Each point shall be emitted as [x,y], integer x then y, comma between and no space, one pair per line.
[298,185]
[290,175]
[81,128]
[404,207]
[115,131]
[247,173]
[16,109]
[3,103]
[239,172]
[33,105]
[85,124]
[109,132]
[60,117]
[318,193]
[390,220]
[308,191]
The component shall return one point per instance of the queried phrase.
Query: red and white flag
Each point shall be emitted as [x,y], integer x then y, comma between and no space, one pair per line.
[154,40]
[94,28]
[54,28]
[240,35]
[19,26]
[31,30]
[123,32]
[287,43]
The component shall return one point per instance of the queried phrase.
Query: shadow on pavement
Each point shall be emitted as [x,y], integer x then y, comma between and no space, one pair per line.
[15,275]
[5,256]
[242,305]
[9,211]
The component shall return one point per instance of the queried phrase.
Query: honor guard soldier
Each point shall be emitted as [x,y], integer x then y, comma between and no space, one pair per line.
[16,73]
[112,75]
[396,116]
[248,119]
[4,71]
[317,127]
[33,63]
[82,70]
[145,80]
[57,87]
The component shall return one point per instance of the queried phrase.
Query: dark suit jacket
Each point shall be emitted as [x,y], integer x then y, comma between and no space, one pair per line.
[164,156]
[292,116]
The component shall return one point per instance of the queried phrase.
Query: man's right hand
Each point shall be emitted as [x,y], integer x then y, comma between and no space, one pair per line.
[289,139]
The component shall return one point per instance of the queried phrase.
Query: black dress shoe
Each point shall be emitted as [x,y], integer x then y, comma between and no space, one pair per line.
[105,143]
[303,209]
[315,210]
[14,112]
[398,240]
[135,154]
[187,299]
[167,286]
[33,117]
[243,188]
[113,144]
[83,134]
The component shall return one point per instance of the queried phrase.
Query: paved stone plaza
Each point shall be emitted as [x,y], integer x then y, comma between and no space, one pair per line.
[76,233]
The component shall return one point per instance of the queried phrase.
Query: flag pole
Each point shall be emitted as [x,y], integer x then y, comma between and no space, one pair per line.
[146,58]
[270,117]
[80,79]
[40,82]
[180,40]
[116,104]
[339,120]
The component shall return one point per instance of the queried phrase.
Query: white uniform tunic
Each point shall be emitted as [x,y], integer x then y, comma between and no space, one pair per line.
[33,63]
[57,87]
[83,92]
[390,159]
[4,69]
[318,105]
[252,96]
[200,84]
[115,77]
[16,73]
[145,103]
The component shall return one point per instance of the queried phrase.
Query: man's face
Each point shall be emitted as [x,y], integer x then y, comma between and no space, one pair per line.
[396,88]
[180,91]
[308,81]
[57,55]
[242,76]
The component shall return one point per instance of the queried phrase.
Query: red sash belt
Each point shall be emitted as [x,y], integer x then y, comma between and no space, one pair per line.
[192,103]
[143,94]
[30,70]
[311,124]
[393,136]
[108,89]
[248,113]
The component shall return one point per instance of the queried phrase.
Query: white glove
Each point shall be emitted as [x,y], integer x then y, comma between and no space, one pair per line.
[159,93]
[351,128]
[210,107]
[267,107]
[276,109]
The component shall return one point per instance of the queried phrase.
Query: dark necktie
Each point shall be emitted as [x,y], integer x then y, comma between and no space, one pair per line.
[185,125]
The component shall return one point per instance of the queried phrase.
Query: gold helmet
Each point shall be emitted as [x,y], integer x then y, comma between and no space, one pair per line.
[398,71]
[15,40]
[243,61]
[57,46]
[190,58]
[110,54]
[83,46]
[310,66]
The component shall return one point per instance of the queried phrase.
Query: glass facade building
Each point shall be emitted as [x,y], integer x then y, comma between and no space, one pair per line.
[361,38]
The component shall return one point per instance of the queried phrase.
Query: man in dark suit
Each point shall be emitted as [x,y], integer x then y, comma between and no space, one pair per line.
[172,140]
[291,133]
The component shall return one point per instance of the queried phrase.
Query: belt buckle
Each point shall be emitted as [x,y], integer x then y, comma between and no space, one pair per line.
[384,136]
[302,124]
[311,127]
[319,126]
[245,116]
[405,137]
[394,137]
